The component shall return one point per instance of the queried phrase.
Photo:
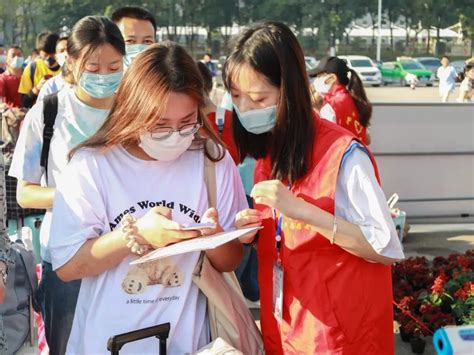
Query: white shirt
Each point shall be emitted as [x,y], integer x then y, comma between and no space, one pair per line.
[447,79]
[360,200]
[52,86]
[94,193]
[74,123]
[328,113]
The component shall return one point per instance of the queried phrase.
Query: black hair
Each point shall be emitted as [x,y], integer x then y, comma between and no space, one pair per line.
[208,54]
[46,42]
[134,12]
[272,50]
[206,76]
[15,47]
[63,38]
[357,91]
[91,32]
[468,67]
[445,56]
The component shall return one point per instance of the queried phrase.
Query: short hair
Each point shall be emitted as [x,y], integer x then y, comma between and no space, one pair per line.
[445,56]
[46,41]
[469,66]
[206,77]
[135,12]
[208,54]
[15,47]
[63,38]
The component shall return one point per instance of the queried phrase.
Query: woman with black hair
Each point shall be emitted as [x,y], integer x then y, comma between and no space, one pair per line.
[328,240]
[344,99]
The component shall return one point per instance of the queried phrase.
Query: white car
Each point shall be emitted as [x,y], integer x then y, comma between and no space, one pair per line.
[367,70]
[310,62]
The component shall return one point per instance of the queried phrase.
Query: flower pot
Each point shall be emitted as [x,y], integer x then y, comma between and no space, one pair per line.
[417,345]
[404,335]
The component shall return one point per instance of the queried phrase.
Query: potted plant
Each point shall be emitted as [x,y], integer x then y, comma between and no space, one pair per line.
[418,341]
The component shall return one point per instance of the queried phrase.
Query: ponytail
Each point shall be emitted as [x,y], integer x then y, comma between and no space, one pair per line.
[359,96]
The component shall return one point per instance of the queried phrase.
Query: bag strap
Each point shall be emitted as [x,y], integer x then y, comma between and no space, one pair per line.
[50,111]
[32,72]
[210,175]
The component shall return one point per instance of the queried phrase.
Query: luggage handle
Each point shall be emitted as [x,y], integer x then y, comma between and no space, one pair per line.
[161,331]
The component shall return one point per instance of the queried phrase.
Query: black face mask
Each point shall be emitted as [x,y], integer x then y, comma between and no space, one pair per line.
[50,61]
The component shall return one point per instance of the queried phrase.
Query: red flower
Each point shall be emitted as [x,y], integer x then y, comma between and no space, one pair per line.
[465,291]
[438,285]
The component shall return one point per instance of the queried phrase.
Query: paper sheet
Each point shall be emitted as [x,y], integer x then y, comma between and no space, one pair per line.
[197,244]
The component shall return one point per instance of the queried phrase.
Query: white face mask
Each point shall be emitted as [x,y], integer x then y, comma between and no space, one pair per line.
[320,85]
[167,149]
[61,58]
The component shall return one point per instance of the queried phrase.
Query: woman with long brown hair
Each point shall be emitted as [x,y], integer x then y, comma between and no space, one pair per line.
[128,189]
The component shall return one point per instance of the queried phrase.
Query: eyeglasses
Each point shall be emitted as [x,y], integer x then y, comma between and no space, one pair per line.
[163,133]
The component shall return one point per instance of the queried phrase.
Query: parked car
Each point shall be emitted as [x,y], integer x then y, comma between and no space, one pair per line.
[430,63]
[395,72]
[459,65]
[365,67]
[311,62]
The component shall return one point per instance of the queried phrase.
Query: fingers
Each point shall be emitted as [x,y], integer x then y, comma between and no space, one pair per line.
[248,218]
[182,235]
[211,215]
[164,211]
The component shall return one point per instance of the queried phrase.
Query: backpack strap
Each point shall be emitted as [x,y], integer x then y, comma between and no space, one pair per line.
[50,111]
[220,119]
[210,175]
[32,72]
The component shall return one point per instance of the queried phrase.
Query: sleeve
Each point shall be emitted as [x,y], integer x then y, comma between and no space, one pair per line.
[27,155]
[2,86]
[360,200]
[328,113]
[79,212]
[5,251]
[230,192]
[25,84]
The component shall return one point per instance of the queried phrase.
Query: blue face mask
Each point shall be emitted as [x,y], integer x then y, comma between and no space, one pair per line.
[17,62]
[100,86]
[258,121]
[132,51]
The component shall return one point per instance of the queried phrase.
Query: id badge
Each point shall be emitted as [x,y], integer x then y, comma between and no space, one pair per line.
[278,292]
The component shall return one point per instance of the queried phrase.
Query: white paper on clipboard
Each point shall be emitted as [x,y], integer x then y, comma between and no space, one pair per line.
[197,244]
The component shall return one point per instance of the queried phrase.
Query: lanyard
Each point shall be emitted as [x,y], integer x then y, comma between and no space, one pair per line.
[278,235]
[278,232]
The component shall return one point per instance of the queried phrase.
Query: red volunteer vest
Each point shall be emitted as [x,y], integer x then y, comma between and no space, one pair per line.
[347,115]
[333,302]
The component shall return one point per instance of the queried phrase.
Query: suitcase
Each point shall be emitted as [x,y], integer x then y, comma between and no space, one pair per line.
[162,331]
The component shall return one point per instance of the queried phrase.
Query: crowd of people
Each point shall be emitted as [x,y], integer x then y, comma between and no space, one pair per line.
[115,147]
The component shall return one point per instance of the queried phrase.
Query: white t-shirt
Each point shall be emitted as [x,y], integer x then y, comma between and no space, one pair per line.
[328,113]
[95,191]
[447,79]
[360,200]
[51,86]
[74,123]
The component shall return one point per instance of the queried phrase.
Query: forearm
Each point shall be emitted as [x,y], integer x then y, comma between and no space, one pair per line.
[34,196]
[226,257]
[95,257]
[348,235]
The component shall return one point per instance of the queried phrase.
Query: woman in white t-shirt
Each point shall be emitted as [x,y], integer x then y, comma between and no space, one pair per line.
[143,172]
[95,55]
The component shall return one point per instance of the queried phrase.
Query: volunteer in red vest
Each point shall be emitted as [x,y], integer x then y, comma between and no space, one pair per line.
[10,79]
[344,99]
[328,240]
